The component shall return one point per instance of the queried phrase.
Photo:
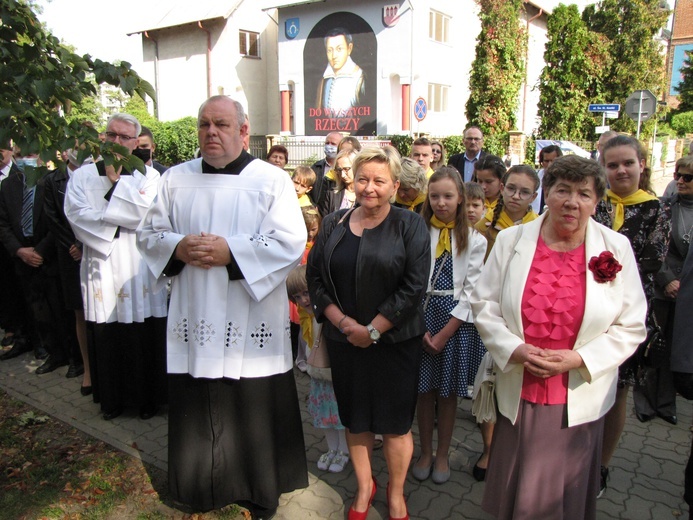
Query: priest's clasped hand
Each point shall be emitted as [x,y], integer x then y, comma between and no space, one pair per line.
[204,250]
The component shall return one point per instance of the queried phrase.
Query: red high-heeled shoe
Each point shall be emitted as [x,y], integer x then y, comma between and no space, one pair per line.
[387,500]
[361,515]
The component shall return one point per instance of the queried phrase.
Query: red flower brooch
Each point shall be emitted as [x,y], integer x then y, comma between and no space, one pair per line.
[604,267]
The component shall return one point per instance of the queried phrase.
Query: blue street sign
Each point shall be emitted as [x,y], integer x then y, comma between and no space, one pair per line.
[420,109]
[596,107]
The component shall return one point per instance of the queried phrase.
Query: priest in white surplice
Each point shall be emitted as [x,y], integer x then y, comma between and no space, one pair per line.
[227,229]
[125,312]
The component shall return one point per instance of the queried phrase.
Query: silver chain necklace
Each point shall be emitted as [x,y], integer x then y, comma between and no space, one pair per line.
[682,223]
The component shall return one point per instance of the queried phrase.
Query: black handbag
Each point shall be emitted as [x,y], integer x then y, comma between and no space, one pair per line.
[654,352]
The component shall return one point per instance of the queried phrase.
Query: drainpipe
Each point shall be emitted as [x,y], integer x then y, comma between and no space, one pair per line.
[209,58]
[156,72]
[406,108]
[526,86]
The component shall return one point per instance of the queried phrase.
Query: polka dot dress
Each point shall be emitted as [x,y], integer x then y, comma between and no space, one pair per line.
[452,371]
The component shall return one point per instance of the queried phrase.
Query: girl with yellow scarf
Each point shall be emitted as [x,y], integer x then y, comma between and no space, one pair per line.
[488,172]
[636,213]
[518,189]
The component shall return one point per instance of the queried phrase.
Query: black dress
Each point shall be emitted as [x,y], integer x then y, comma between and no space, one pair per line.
[376,387]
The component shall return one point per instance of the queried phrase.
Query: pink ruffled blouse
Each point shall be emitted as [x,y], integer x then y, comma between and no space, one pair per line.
[553,305]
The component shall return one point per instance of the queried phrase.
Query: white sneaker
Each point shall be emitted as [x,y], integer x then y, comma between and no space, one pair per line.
[326,459]
[340,460]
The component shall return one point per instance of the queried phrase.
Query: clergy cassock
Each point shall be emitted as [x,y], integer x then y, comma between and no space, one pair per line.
[235,430]
[124,309]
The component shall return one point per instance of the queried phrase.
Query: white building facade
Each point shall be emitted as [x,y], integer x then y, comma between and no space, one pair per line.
[272,55]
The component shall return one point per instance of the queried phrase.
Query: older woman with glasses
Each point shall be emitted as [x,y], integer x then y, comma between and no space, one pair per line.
[654,393]
[438,155]
[343,195]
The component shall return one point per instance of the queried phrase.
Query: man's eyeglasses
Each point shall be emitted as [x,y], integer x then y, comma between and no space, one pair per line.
[687,177]
[474,139]
[112,136]
[524,194]
[346,169]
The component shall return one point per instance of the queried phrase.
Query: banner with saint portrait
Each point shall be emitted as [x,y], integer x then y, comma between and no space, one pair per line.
[340,75]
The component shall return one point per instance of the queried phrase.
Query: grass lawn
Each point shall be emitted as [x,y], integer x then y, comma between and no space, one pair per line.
[53,471]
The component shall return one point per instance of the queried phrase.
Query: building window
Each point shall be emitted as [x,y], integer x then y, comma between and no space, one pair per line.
[249,44]
[437,97]
[438,27]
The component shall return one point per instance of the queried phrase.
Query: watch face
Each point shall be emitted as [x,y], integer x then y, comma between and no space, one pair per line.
[373,333]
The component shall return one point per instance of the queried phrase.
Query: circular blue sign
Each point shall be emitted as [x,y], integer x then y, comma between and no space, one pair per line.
[420,109]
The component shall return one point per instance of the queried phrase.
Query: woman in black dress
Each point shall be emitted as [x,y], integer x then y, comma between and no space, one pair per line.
[367,274]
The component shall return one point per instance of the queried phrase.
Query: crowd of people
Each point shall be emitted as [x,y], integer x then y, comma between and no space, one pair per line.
[392,281]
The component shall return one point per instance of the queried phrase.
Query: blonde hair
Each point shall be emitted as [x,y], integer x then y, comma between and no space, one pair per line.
[385,155]
[296,282]
[412,176]
[349,154]
[304,174]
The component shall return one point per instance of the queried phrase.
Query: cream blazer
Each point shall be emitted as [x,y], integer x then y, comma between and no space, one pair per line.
[612,327]
[466,269]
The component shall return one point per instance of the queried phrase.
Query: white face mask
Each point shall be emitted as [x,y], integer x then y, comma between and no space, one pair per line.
[26,161]
[330,151]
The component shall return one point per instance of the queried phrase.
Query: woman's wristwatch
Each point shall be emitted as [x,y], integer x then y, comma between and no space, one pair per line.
[373,332]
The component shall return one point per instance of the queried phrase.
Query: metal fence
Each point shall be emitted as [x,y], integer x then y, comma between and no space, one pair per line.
[302,149]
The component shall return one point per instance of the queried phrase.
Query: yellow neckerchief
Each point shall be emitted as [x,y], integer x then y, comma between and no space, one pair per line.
[304,201]
[444,240]
[306,321]
[411,206]
[618,217]
[332,175]
[429,172]
[504,221]
[490,204]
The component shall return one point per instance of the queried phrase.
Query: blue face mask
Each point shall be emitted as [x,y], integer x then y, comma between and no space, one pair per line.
[330,151]
[26,161]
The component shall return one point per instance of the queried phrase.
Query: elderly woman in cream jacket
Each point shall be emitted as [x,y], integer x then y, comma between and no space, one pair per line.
[559,306]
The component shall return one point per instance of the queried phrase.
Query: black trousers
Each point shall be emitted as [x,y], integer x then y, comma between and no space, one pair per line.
[51,326]
[13,307]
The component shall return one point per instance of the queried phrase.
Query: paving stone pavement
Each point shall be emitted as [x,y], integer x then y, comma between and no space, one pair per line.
[646,479]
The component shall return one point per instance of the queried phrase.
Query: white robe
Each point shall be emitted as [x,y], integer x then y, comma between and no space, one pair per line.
[116,284]
[219,327]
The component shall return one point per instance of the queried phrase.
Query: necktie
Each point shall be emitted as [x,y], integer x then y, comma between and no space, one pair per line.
[27,211]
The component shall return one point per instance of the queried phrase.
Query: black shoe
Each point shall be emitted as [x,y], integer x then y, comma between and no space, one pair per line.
[18,349]
[478,473]
[148,411]
[643,417]
[51,364]
[85,390]
[107,416]
[74,370]
[671,419]
[259,513]
[603,477]
[8,340]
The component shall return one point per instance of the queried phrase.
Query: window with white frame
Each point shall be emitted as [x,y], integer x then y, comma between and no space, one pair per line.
[438,26]
[249,43]
[437,97]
